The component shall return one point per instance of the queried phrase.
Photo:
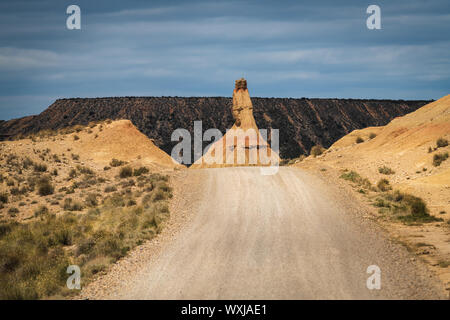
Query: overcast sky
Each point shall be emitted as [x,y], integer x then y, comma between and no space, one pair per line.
[198,48]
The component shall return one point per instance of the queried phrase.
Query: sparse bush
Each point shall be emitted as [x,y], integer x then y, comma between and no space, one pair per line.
[126,172]
[41,210]
[75,156]
[75,138]
[14,191]
[91,200]
[27,162]
[131,202]
[13,211]
[359,140]
[72,173]
[430,150]
[40,167]
[439,158]
[140,171]
[45,187]
[34,256]
[71,205]
[3,197]
[116,163]
[383,185]
[115,200]
[372,135]
[106,168]
[110,189]
[317,150]
[85,170]
[441,143]
[385,170]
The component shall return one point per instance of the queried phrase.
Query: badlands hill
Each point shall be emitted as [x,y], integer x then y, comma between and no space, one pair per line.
[302,122]
[403,146]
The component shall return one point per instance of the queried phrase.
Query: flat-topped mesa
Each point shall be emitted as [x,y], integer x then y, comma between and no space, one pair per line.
[242,145]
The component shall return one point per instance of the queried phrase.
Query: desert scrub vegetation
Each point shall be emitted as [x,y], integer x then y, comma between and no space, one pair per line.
[140,171]
[441,143]
[359,181]
[359,139]
[384,185]
[385,170]
[116,163]
[34,256]
[39,167]
[439,158]
[402,206]
[3,197]
[405,207]
[44,186]
[372,135]
[317,150]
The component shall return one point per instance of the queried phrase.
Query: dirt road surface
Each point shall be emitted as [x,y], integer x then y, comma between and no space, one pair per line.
[284,236]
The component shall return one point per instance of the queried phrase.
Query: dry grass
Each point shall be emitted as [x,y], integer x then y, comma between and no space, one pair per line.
[34,256]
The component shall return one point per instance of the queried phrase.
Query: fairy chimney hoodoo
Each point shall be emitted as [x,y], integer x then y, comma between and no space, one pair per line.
[242,145]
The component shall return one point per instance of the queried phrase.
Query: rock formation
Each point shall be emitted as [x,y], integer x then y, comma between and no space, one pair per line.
[242,145]
[302,122]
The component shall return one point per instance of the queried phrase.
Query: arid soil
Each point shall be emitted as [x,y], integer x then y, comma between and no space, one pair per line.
[234,233]
[405,149]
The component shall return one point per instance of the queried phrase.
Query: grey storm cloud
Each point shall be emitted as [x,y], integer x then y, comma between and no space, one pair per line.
[192,48]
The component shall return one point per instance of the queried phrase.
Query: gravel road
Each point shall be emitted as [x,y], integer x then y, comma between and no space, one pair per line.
[286,236]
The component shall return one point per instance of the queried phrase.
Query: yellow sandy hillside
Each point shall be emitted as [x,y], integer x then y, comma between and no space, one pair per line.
[402,145]
[122,140]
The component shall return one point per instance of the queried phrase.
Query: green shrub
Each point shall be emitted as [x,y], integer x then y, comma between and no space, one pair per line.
[439,158]
[110,189]
[385,170]
[126,172]
[441,143]
[359,140]
[140,171]
[317,150]
[351,176]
